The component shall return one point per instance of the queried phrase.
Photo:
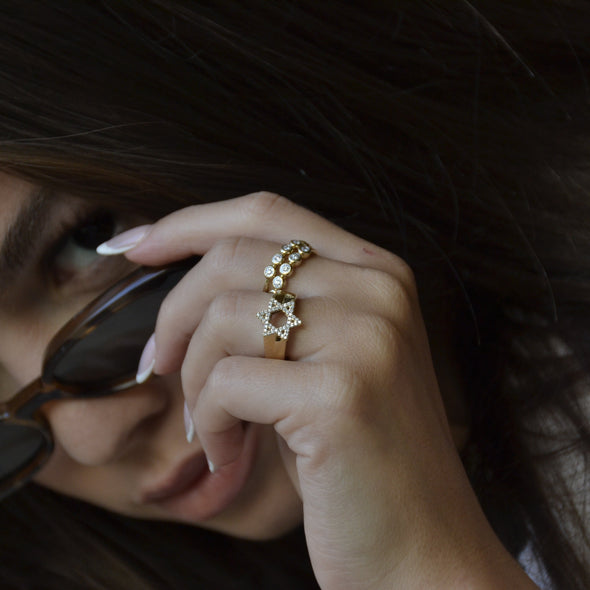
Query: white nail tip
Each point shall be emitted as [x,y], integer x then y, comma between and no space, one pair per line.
[189,426]
[211,466]
[144,375]
[106,250]
[123,242]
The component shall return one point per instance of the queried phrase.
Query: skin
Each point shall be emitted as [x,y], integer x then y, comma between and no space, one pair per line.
[351,429]
[107,448]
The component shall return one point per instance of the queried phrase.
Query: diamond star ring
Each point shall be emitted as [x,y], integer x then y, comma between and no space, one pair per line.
[281,302]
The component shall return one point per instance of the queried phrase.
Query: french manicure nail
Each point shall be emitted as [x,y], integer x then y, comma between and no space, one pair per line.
[124,241]
[147,360]
[211,466]
[189,426]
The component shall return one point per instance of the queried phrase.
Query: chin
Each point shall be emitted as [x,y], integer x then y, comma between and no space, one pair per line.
[268,507]
[265,523]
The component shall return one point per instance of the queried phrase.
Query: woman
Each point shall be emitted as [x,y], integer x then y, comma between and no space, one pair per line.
[451,139]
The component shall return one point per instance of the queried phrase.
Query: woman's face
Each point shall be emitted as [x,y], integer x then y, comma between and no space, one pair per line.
[126,452]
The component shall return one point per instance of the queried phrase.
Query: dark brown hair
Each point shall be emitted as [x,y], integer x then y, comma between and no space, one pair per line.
[456,134]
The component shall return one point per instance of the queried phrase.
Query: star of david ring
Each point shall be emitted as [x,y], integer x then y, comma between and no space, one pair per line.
[282,264]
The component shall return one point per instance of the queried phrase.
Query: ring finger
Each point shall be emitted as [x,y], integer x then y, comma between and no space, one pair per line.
[240,263]
[230,328]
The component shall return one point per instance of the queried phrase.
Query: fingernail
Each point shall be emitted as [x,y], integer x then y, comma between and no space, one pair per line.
[211,466]
[124,241]
[147,360]
[189,426]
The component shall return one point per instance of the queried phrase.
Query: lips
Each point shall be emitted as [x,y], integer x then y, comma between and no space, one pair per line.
[190,493]
[180,479]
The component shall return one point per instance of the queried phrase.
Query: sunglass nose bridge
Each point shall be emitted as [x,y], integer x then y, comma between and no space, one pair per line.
[30,399]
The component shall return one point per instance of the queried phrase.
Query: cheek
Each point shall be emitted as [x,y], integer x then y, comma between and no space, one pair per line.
[103,486]
[104,447]
[27,329]
[25,336]
[22,347]
[99,431]
[90,432]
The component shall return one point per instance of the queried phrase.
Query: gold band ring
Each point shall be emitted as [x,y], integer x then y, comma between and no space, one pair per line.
[282,264]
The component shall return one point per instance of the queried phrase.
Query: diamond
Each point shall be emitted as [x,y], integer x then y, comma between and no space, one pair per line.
[269,271]
[277,282]
[305,248]
[277,259]
[284,303]
[285,268]
[295,257]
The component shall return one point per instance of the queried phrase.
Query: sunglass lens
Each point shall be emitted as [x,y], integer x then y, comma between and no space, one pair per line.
[20,445]
[110,350]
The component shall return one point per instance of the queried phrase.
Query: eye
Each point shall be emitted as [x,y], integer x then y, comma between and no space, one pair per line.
[75,251]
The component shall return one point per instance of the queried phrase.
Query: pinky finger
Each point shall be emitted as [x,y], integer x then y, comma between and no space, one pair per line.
[244,389]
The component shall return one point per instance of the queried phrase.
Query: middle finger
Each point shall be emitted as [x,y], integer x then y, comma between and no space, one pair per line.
[237,265]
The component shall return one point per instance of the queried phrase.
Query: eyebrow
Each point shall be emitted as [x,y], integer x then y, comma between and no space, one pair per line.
[21,239]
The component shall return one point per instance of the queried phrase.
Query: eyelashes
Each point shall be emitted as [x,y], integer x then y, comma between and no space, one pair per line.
[75,248]
[70,264]
[62,271]
[96,228]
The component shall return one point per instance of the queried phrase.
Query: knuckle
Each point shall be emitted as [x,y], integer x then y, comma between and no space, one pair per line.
[393,294]
[405,275]
[194,387]
[384,345]
[351,393]
[224,308]
[348,401]
[339,377]
[400,269]
[339,387]
[396,265]
[221,374]
[265,205]
[381,332]
[167,311]
[403,300]
[225,254]
[189,382]
[389,341]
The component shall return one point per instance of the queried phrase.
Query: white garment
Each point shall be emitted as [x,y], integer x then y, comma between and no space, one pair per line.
[534,568]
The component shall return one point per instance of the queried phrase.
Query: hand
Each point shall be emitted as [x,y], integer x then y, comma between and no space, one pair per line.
[386,501]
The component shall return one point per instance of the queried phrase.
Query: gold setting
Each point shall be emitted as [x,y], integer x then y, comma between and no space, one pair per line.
[283,263]
[282,266]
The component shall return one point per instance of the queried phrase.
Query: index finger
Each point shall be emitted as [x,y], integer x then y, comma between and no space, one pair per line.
[263,215]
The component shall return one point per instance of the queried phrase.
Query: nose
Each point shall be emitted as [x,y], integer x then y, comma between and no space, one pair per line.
[98,431]
[90,431]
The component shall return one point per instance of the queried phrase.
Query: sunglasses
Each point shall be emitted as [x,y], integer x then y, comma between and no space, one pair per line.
[95,354]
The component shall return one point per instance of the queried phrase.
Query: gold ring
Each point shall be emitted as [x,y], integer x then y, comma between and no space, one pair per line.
[282,264]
